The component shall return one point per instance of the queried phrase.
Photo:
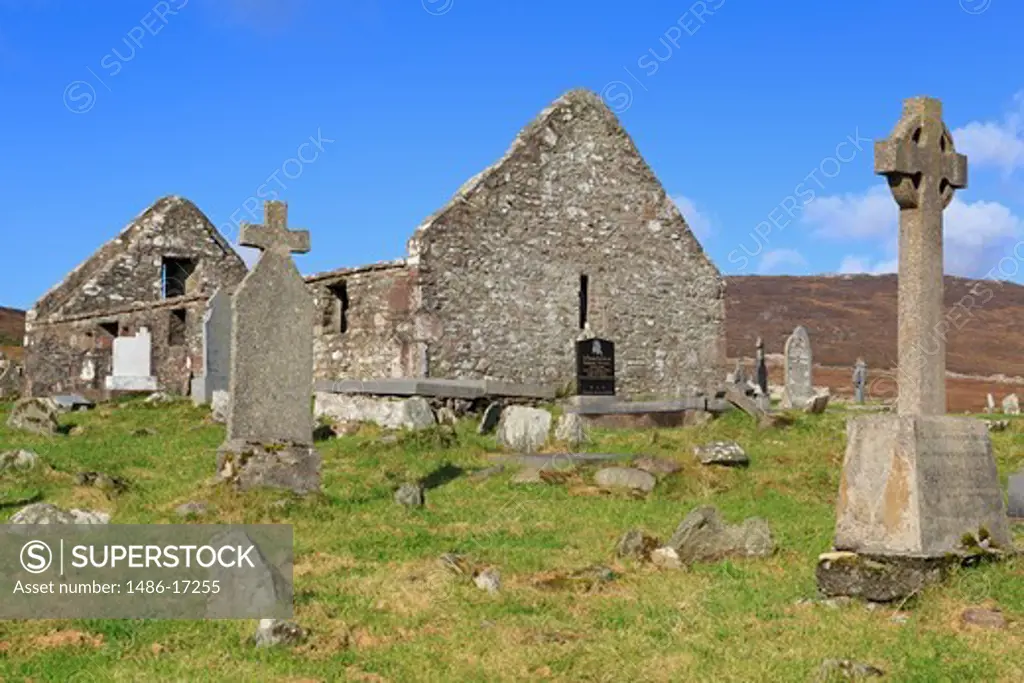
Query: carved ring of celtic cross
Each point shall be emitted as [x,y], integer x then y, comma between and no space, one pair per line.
[919,161]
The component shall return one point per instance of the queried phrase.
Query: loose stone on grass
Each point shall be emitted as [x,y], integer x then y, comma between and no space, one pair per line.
[18,460]
[572,430]
[657,466]
[835,670]
[703,536]
[725,453]
[491,418]
[524,429]
[488,580]
[274,632]
[191,509]
[410,495]
[983,618]
[628,478]
[34,415]
[637,544]
[47,513]
[109,484]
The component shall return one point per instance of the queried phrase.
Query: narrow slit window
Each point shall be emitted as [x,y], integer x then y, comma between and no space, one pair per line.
[584,300]
[336,319]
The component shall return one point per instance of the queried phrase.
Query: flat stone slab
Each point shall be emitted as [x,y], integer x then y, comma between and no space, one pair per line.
[724,453]
[439,388]
[879,578]
[388,412]
[248,465]
[557,461]
[115,383]
[72,402]
[917,485]
[589,408]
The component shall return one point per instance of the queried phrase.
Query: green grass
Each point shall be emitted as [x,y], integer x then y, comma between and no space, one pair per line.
[380,608]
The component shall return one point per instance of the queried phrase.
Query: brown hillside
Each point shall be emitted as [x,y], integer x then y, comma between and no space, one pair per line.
[12,332]
[855,315]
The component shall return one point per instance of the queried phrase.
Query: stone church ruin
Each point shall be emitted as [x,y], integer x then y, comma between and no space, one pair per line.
[569,234]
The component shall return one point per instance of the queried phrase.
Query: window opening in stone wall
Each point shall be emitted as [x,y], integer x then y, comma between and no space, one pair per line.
[176,327]
[336,316]
[109,329]
[584,300]
[175,274]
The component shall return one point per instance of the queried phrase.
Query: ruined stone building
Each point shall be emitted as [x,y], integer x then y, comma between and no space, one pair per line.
[569,234]
[157,273]
[570,230]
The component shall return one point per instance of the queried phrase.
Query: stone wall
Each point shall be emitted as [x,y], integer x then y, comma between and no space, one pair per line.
[500,267]
[379,338]
[69,333]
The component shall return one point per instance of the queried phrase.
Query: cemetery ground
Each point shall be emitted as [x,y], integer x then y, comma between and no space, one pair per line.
[381,607]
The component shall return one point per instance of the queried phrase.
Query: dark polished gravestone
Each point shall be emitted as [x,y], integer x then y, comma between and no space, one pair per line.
[595,367]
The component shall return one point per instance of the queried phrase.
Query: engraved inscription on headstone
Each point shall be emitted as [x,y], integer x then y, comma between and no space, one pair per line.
[595,367]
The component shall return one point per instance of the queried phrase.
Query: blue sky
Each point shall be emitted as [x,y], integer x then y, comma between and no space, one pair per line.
[109,106]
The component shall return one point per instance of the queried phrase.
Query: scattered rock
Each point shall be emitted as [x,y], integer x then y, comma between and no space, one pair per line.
[77,430]
[388,440]
[997,425]
[34,415]
[817,405]
[274,632]
[488,580]
[572,430]
[877,579]
[158,397]
[109,484]
[657,466]
[625,478]
[144,431]
[289,466]
[725,453]
[191,509]
[666,558]
[18,460]
[446,416]
[900,618]
[410,495]
[703,536]
[524,429]
[581,581]
[491,418]
[455,564]
[983,618]
[834,670]
[636,544]
[46,513]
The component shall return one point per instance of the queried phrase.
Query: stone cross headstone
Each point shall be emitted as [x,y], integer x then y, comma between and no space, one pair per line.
[132,361]
[270,419]
[860,378]
[216,374]
[918,482]
[799,385]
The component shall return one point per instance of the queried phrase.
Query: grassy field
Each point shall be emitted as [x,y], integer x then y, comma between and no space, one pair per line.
[381,608]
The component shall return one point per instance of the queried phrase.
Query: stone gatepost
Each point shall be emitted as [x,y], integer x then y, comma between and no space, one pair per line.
[919,489]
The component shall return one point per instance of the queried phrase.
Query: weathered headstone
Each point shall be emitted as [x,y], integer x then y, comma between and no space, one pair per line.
[1011,405]
[761,368]
[799,387]
[595,367]
[740,375]
[216,349]
[132,358]
[1015,490]
[270,419]
[916,484]
[860,378]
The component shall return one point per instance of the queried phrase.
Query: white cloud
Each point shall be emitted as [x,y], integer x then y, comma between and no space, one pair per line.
[863,264]
[700,223]
[976,234]
[995,143]
[779,259]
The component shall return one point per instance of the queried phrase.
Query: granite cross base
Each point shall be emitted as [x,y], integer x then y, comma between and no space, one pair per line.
[919,486]
[879,578]
[248,465]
